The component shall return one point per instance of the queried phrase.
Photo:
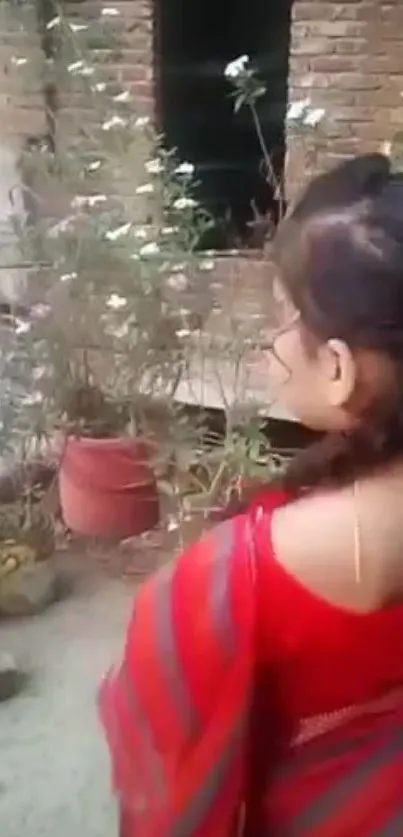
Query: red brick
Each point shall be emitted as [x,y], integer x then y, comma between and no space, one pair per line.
[348,46]
[332,63]
[348,57]
[329,29]
[310,46]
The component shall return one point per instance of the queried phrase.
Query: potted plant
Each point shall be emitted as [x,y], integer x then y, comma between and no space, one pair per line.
[106,481]
[113,232]
[27,572]
[113,325]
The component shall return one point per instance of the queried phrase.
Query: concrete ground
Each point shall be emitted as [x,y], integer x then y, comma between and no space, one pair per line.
[54,776]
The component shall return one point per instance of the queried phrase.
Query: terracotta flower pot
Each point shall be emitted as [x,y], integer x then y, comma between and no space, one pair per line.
[107,487]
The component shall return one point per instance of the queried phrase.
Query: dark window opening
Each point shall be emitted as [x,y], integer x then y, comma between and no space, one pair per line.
[195,40]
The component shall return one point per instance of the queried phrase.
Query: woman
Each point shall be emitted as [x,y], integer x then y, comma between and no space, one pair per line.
[261,689]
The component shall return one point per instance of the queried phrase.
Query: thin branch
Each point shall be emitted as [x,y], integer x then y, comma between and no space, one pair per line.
[272,178]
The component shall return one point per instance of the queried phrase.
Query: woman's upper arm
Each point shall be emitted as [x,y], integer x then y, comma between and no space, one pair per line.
[189,621]
[181,699]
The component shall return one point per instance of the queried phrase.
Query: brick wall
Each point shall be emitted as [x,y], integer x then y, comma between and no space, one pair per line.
[22,112]
[348,57]
[22,116]
[128,61]
[126,64]
[123,59]
[21,90]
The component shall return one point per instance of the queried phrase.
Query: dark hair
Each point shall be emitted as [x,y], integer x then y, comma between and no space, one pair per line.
[340,258]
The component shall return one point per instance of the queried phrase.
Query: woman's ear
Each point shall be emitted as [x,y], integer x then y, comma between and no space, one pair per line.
[339,371]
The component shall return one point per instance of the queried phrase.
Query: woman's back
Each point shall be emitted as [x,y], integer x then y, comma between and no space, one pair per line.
[247,655]
[332,636]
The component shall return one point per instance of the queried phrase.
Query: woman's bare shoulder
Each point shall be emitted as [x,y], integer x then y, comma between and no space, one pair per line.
[315,539]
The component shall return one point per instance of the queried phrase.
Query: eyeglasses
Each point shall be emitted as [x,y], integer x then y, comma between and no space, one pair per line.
[270,345]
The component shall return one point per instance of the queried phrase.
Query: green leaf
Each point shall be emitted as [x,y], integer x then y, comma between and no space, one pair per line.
[240,102]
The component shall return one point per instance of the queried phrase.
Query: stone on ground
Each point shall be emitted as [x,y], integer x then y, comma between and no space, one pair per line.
[10,677]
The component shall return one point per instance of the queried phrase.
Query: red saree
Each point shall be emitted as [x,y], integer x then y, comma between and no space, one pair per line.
[178,714]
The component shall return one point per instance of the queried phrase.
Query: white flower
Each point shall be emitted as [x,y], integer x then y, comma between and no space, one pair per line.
[110,11]
[41,310]
[78,27]
[66,277]
[61,227]
[94,199]
[186,169]
[154,166]
[150,249]
[178,282]
[296,110]
[18,62]
[303,111]
[142,121]
[141,233]
[386,148]
[22,326]
[184,203]
[32,398]
[145,189]
[313,117]
[120,331]
[87,200]
[53,23]
[124,96]
[169,230]
[39,372]
[207,264]
[80,68]
[76,65]
[237,67]
[116,302]
[94,166]
[99,87]
[114,235]
[115,121]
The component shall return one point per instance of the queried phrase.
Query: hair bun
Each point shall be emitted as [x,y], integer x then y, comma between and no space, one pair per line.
[366,174]
[347,183]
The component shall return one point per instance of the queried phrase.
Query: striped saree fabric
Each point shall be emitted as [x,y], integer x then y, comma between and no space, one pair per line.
[177,714]
[176,711]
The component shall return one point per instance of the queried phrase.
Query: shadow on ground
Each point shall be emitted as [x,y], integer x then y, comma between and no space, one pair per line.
[54,776]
